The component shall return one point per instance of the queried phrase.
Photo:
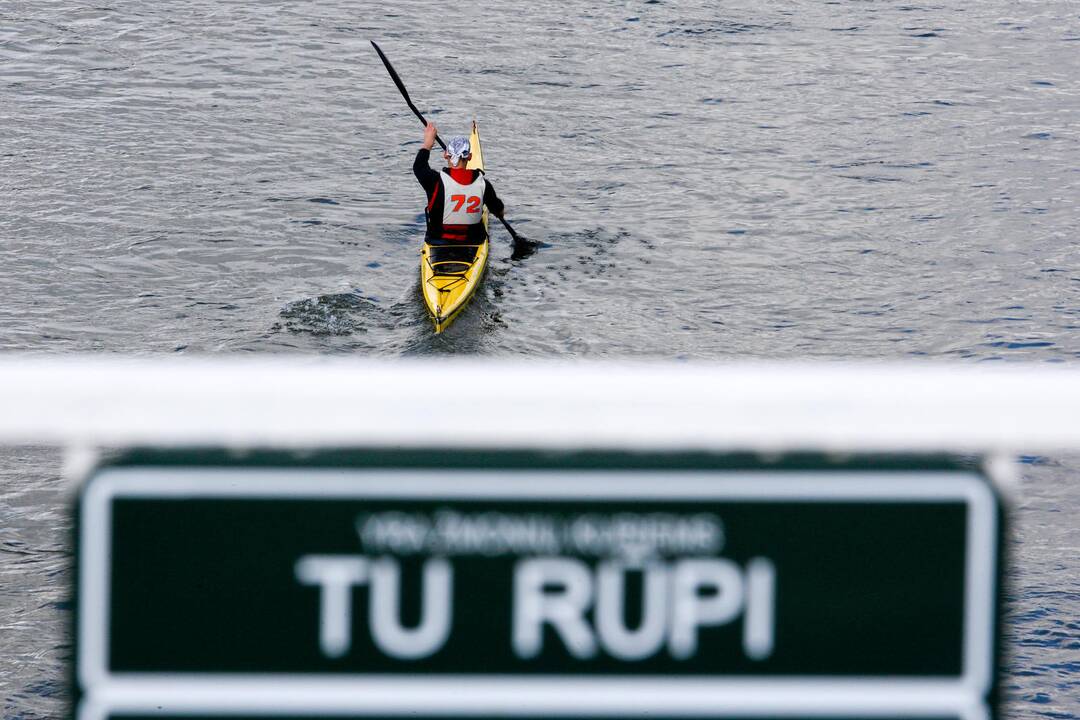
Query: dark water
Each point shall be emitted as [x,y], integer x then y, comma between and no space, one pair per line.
[712,181]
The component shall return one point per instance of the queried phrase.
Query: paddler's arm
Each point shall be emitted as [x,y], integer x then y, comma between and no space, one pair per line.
[494,204]
[428,178]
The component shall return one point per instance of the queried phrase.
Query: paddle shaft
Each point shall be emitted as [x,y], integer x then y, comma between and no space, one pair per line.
[408,101]
[514,235]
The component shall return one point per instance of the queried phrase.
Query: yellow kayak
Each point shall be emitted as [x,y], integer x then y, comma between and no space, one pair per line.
[450,274]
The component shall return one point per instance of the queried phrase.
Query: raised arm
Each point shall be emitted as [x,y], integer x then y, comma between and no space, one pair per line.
[428,178]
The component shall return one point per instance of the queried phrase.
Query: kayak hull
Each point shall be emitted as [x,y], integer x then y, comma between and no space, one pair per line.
[446,294]
[451,274]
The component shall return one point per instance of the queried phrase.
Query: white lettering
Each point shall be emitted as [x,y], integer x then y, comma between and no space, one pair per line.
[760,608]
[402,533]
[692,610]
[435,614]
[584,607]
[615,637]
[535,604]
[335,575]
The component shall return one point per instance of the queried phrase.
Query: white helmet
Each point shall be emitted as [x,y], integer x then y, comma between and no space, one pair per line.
[458,148]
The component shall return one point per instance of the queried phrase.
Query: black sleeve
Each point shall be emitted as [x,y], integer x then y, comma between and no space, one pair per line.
[494,204]
[428,178]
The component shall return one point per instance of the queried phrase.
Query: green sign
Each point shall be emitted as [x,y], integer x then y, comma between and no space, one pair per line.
[518,585]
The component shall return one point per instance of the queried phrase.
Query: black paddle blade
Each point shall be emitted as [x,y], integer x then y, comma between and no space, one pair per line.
[523,248]
[393,73]
[401,88]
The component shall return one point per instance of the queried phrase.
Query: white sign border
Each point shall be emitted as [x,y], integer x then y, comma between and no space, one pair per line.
[197,693]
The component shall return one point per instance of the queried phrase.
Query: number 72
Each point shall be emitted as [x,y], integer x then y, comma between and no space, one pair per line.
[459,200]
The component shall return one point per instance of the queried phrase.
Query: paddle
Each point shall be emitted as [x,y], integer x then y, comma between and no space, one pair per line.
[522,247]
[401,88]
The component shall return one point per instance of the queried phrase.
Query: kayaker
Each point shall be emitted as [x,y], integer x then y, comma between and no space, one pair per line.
[455,194]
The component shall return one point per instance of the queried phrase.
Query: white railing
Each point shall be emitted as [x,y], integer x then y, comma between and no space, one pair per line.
[764,407]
